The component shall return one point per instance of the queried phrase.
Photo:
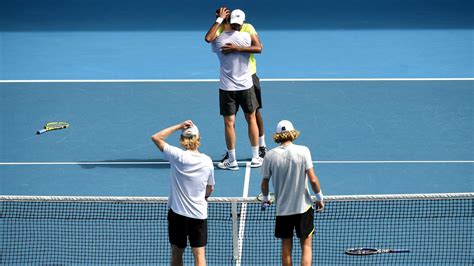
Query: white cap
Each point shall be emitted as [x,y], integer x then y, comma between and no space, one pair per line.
[237,17]
[190,132]
[284,126]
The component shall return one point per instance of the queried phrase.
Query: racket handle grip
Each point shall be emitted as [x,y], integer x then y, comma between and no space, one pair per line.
[40,131]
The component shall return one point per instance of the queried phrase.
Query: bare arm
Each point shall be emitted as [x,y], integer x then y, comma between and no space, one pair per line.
[159,137]
[315,186]
[264,186]
[209,190]
[211,34]
[254,48]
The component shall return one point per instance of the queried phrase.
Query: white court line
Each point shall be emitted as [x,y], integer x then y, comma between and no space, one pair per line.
[391,162]
[245,191]
[216,80]
[240,162]
[243,212]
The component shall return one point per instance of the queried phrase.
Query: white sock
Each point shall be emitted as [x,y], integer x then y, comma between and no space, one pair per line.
[231,155]
[255,152]
[261,141]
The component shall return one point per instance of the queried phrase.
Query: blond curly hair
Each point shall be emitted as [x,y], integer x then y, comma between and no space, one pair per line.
[190,143]
[286,136]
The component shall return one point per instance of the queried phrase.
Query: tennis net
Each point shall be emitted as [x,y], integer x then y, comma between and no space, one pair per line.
[436,228]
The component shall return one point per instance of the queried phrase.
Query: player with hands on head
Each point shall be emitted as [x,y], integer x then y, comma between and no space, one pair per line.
[222,15]
[290,167]
[236,90]
[191,183]
[255,47]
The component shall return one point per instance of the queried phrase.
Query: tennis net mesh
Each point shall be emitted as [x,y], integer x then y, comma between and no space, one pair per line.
[436,228]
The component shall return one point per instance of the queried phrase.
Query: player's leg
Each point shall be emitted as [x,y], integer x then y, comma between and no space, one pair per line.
[284,227]
[199,256]
[177,237]
[230,139]
[261,130]
[304,231]
[248,101]
[198,240]
[262,150]
[286,248]
[306,250]
[228,108]
[176,255]
[258,95]
[252,128]
[253,136]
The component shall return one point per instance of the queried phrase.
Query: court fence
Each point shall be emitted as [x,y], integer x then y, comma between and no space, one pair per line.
[437,229]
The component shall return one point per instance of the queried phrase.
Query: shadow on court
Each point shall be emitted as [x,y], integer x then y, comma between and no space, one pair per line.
[128,163]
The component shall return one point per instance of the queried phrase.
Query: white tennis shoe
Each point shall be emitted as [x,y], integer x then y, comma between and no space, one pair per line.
[227,165]
[256,162]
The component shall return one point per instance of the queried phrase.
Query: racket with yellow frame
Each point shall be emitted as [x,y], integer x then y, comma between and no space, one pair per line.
[53,126]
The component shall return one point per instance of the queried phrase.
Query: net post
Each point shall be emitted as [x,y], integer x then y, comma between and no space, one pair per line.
[235,232]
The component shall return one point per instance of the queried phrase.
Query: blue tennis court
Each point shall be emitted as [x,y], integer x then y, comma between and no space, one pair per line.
[367,137]
[382,93]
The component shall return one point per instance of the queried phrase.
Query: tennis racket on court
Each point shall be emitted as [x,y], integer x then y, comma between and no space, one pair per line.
[53,126]
[373,251]
[266,204]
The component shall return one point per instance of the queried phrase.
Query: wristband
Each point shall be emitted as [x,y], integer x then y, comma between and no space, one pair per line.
[266,198]
[219,20]
[319,196]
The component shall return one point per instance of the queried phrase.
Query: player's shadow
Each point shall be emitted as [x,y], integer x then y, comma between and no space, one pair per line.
[141,163]
[128,163]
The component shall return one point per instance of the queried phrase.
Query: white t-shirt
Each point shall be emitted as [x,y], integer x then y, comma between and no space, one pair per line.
[286,167]
[234,67]
[190,173]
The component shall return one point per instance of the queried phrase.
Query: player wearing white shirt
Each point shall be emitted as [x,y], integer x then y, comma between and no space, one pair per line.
[290,167]
[234,70]
[191,183]
[236,86]
[256,47]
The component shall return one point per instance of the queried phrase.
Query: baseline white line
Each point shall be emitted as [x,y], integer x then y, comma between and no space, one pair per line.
[81,163]
[216,80]
[107,80]
[367,79]
[240,162]
[390,162]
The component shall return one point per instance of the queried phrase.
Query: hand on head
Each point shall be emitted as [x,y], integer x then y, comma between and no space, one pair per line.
[223,12]
[187,124]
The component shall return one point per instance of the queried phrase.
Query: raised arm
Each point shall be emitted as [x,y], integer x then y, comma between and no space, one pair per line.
[211,34]
[159,137]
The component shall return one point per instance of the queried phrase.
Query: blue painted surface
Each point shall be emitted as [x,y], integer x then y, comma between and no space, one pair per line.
[148,39]
[339,121]
[151,39]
